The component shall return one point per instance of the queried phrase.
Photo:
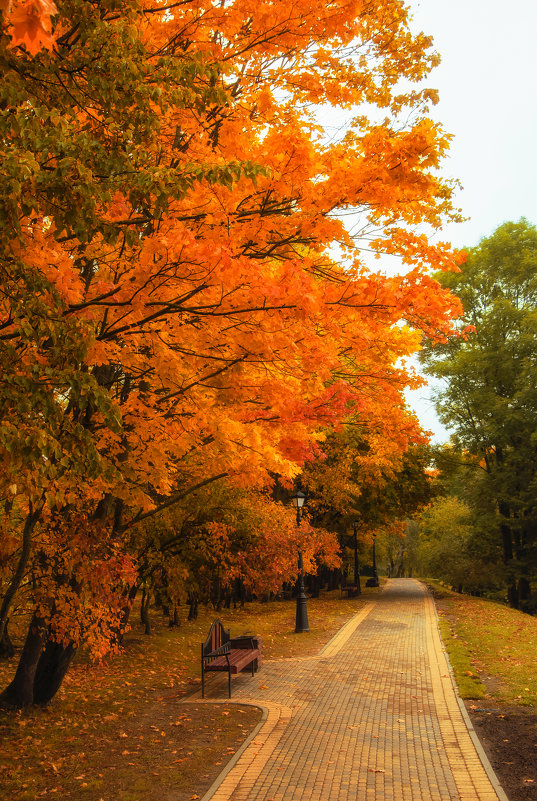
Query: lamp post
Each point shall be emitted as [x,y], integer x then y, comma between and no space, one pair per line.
[301,609]
[356,570]
[375,574]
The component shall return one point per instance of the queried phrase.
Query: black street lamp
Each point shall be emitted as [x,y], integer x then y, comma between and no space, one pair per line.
[301,608]
[375,574]
[356,570]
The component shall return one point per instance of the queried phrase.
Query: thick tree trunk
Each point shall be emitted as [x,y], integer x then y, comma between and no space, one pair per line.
[53,664]
[20,692]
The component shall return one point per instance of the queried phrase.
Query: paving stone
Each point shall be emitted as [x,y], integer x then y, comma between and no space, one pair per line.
[374,716]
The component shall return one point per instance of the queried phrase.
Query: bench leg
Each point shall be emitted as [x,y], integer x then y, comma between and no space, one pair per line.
[202,681]
[229,682]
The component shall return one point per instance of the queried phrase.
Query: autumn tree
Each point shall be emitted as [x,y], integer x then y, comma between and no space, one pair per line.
[225,541]
[488,395]
[372,480]
[170,313]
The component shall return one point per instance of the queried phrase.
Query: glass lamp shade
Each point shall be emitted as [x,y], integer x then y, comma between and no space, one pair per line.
[298,500]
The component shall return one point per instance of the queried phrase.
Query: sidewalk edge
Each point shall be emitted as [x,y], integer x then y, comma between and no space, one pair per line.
[237,755]
[489,770]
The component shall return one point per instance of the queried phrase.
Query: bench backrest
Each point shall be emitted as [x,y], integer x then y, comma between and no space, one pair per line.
[218,636]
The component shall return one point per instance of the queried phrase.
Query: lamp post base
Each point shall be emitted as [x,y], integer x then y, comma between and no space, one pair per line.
[301,613]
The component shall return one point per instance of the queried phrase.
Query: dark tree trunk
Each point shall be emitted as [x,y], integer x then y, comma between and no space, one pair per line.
[523,592]
[20,692]
[193,606]
[507,544]
[120,627]
[216,593]
[144,611]
[7,649]
[173,620]
[18,575]
[53,664]
[505,529]
[512,595]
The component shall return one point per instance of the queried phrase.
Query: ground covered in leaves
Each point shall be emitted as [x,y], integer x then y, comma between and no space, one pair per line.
[125,730]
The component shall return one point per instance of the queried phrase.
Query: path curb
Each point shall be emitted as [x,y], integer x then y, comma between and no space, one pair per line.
[469,725]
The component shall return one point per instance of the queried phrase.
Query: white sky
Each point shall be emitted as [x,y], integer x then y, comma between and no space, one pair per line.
[487,84]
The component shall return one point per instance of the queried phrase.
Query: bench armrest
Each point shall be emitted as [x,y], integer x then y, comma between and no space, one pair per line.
[221,651]
[245,641]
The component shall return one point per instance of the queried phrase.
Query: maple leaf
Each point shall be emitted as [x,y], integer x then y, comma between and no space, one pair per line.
[31,23]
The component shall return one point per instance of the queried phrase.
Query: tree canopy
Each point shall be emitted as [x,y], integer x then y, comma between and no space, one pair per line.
[171,312]
[488,394]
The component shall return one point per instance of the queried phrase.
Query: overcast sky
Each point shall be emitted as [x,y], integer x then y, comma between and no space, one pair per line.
[487,84]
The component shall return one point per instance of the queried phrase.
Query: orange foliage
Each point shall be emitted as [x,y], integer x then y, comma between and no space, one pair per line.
[30,23]
[176,313]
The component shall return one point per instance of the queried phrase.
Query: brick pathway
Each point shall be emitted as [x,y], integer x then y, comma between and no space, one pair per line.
[374,717]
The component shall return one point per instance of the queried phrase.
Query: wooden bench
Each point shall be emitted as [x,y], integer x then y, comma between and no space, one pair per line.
[220,652]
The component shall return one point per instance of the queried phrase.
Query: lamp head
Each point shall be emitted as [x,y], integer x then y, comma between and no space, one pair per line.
[298,500]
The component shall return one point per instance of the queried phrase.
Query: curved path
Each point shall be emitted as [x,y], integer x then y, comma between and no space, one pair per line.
[373,717]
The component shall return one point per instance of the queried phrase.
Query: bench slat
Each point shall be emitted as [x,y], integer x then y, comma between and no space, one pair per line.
[238,659]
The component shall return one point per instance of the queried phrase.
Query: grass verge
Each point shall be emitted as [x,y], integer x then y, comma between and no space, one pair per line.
[491,647]
[120,731]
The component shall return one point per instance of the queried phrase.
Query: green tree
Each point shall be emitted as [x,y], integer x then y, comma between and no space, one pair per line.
[448,548]
[488,393]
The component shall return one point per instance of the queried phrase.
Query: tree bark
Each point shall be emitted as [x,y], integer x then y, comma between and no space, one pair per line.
[20,692]
[7,649]
[193,608]
[120,628]
[51,668]
[144,611]
[29,525]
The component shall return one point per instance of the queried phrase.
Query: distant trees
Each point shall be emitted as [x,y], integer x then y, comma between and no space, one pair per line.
[372,482]
[488,395]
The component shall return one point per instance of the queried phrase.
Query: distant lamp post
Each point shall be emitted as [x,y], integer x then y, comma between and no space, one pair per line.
[356,570]
[374,581]
[375,574]
[301,608]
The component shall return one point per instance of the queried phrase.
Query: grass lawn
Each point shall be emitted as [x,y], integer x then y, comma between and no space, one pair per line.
[491,647]
[119,731]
